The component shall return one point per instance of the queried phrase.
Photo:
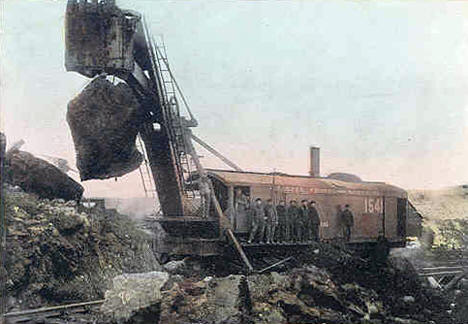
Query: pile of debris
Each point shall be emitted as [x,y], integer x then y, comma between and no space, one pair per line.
[327,285]
[60,252]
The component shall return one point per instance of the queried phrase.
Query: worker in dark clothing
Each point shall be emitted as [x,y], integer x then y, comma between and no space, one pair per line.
[303,222]
[271,221]
[292,215]
[347,220]
[240,207]
[258,221]
[314,222]
[282,231]
[205,193]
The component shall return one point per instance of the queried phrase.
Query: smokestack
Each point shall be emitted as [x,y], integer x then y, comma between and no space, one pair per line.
[314,161]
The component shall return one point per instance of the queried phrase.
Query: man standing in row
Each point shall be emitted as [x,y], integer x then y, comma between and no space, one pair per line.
[314,223]
[347,219]
[282,232]
[302,223]
[293,213]
[258,221]
[271,221]
[241,206]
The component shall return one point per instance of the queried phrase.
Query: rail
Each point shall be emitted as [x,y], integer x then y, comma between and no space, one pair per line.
[50,312]
[444,274]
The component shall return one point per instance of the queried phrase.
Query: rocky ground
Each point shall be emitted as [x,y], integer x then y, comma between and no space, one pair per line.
[59,253]
[324,285]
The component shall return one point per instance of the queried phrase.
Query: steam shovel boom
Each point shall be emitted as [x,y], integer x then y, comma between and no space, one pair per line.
[103,40]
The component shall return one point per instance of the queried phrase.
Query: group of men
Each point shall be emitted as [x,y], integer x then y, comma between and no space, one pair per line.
[281,223]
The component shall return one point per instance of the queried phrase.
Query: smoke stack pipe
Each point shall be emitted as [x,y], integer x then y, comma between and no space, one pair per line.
[314,161]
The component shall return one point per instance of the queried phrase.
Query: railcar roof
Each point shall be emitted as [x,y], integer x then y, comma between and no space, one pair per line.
[281,179]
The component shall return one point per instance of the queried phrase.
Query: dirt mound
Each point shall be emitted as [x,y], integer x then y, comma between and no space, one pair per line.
[104,122]
[59,253]
[326,285]
[38,176]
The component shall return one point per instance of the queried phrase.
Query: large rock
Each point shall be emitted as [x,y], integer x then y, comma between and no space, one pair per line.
[306,295]
[104,122]
[212,300]
[38,176]
[132,294]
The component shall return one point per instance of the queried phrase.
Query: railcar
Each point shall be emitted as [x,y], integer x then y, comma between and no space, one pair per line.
[379,209]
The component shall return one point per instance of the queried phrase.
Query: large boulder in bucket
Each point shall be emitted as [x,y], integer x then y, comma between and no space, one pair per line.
[104,122]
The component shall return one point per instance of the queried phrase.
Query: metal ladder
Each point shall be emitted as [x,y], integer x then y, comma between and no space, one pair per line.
[170,98]
[169,114]
[145,171]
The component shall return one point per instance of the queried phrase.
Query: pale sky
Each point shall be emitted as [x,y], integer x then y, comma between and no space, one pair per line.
[380,86]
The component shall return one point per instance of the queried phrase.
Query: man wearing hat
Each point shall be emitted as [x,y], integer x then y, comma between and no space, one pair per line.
[347,220]
[314,222]
[258,221]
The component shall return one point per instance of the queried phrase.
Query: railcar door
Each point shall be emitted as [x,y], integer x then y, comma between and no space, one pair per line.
[390,220]
[402,205]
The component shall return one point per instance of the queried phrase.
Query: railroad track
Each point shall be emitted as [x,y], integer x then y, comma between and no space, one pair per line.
[449,267]
[445,273]
[53,314]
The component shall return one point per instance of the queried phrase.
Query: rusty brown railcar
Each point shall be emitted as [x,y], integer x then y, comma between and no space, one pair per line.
[379,209]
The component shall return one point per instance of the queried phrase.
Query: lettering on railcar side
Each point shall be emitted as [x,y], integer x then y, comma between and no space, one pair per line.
[311,191]
[373,205]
